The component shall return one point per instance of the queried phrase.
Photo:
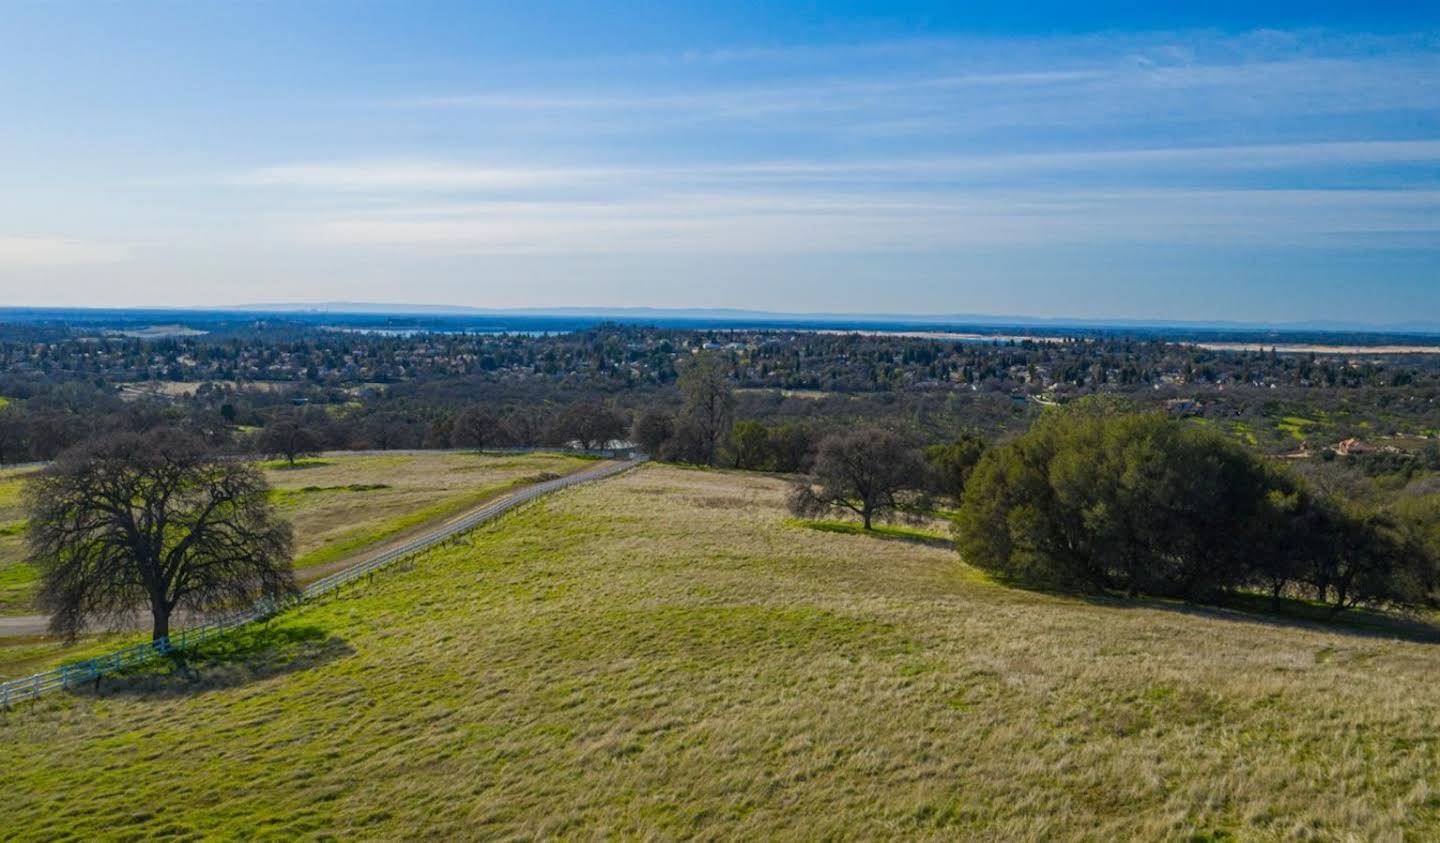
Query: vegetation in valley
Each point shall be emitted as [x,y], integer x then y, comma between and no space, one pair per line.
[290,388]
[1227,560]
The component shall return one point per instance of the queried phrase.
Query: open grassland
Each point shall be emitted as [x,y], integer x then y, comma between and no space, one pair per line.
[344,508]
[340,505]
[665,654]
[17,579]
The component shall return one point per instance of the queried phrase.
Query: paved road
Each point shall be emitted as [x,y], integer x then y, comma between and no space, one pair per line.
[29,626]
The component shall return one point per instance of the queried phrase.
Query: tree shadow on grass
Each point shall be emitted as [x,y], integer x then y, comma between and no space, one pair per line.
[1291,614]
[249,654]
[886,532]
[300,465]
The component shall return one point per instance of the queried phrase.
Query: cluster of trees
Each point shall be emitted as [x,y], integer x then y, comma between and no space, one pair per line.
[786,448]
[320,363]
[408,390]
[1096,498]
[586,424]
[700,430]
[292,434]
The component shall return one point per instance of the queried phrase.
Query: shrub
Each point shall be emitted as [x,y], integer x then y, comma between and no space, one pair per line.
[1092,500]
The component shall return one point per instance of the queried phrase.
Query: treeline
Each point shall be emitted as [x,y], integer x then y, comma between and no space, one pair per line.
[692,421]
[1097,497]
[620,356]
[405,390]
[40,428]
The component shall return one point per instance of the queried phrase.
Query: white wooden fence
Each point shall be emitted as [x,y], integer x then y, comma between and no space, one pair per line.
[90,670]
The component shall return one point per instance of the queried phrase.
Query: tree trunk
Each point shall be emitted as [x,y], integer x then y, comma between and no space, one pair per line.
[161,627]
[866,515]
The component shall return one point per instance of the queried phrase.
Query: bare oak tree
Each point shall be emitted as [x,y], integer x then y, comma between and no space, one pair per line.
[475,427]
[288,437]
[870,472]
[709,402]
[157,520]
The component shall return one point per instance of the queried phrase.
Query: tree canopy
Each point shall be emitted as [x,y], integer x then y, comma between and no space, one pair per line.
[475,427]
[155,520]
[1097,499]
[288,437]
[869,471]
[709,403]
[952,463]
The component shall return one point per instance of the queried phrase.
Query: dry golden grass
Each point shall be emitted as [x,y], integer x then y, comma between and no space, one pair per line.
[663,655]
[340,505]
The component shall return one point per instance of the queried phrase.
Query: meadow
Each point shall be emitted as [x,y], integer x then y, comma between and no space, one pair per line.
[668,654]
[17,578]
[343,507]
[339,504]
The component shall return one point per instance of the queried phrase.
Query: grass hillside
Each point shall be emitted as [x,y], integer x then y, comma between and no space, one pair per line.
[666,654]
[339,504]
[344,508]
[17,579]
[343,503]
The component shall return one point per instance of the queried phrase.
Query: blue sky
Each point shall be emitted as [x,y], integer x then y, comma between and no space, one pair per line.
[1270,162]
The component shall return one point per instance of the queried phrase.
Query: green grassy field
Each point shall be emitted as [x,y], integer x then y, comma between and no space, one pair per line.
[343,507]
[17,579]
[339,505]
[667,655]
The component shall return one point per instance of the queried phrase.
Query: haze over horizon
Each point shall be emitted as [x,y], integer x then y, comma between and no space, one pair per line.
[1264,163]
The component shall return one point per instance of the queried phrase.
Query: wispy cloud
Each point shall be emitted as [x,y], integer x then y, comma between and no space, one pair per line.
[1188,138]
[54,251]
[412,176]
[970,86]
[757,224]
[383,175]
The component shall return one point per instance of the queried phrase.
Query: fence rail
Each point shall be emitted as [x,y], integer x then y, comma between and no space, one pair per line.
[90,670]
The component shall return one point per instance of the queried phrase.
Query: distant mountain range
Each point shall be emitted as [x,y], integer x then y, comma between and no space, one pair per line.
[739,315]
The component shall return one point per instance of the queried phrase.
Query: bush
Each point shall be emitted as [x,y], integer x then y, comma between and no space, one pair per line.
[1093,500]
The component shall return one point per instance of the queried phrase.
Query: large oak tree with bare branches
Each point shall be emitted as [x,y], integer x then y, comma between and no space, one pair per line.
[157,520]
[869,471]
